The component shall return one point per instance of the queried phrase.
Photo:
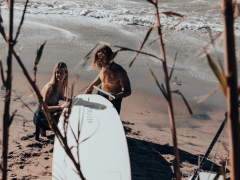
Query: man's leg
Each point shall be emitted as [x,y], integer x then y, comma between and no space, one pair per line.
[117,104]
[102,94]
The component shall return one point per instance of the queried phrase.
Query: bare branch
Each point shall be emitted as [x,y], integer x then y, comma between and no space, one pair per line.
[86,58]
[19,50]
[168,29]
[91,134]
[6,116]
[171,14]
[220,172]
[171,28]
[225,148]
[83,63]
[8,3]
[37,60]
[220,64]
[2,31]
[204,97]
[210,35]
[26,105]
[11,118]
[75,137]
[81,90]
[185,101]
[145,39]
[21,22]
[152,1]
[231,87]
[217,40]
[163,88]
[144,53]
[236,9]
[2,74]
[33,93]
[175,58]
[156,80]
[1,19]
[220,76]
[176,165]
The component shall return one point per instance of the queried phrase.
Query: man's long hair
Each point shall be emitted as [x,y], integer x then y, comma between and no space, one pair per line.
[104,51]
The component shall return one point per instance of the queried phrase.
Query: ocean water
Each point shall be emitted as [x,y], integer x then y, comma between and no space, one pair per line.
[198,15]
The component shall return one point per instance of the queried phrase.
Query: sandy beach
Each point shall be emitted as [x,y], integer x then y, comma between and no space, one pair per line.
[144,114]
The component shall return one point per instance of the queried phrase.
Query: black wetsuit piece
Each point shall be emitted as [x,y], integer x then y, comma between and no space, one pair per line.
[116,102]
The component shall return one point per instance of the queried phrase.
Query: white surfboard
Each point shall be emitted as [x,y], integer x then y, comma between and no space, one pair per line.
[103,149]
[207,176]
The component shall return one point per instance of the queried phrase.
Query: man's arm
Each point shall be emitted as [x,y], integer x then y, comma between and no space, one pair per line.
[125,83]
[96,82]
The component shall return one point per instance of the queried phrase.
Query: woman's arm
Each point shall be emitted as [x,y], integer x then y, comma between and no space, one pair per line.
[46,94]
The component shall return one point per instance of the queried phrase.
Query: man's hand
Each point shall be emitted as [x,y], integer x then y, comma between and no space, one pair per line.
[111,98]
[88,90]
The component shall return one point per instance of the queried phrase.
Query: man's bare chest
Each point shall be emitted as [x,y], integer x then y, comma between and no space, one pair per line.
[108,76]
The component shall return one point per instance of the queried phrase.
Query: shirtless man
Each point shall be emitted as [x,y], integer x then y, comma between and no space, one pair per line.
[112,77]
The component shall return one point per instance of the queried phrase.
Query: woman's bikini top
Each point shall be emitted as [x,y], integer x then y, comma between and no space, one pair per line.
[53,101]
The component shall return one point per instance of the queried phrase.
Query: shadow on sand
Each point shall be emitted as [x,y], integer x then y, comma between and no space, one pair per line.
[148,163]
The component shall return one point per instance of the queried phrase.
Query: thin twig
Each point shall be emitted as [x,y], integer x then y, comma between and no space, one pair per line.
[6,116]
[169,96]
[168,30]
[26,105]
[144,53]
[21,22]
[232,88]
[2,31]
[202,52]
[159,86]
[2,73]
[11,118]
[204,97]
[185,101]
[221,66]
[174,62]
[144,41]
[37,60]
[171,14]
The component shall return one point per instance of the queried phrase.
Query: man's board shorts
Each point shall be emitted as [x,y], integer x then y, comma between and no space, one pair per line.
[116,102]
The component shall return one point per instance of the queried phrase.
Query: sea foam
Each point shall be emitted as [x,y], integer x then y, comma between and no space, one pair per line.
[198,14]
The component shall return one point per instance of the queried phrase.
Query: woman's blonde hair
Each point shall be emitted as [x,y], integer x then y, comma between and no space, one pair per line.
[53,81]
[103,51]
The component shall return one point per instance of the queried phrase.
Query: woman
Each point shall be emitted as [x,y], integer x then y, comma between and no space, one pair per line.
[52,93]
